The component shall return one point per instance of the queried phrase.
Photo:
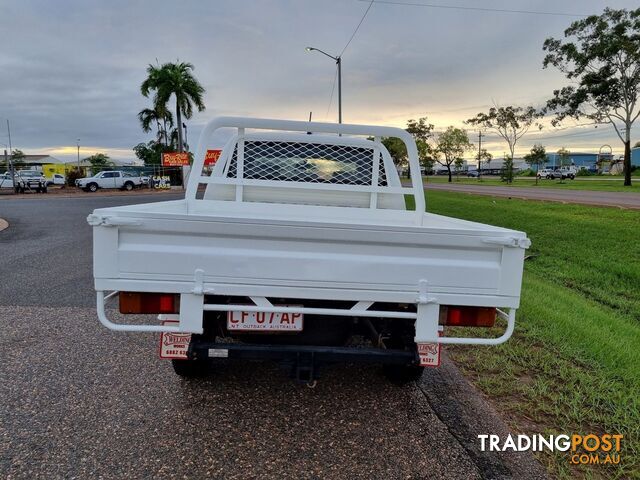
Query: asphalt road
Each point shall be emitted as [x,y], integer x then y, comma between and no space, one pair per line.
[586,197]
[79,401]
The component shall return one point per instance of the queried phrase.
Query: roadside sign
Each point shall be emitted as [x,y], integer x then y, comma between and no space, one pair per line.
[176,159]
[212,157]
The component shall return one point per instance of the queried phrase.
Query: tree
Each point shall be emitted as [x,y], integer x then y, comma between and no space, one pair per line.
[483,156]
[511,123]
[563,159]
[536,157]
[637,145]
[506,172]
[600,56]
[396,149]
[451,144]
[177,80]
[99,161]
[458,164]
[161,118]
[422,132]
[17,158]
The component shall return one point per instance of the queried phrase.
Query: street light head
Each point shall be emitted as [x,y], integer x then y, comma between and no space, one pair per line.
[308,49]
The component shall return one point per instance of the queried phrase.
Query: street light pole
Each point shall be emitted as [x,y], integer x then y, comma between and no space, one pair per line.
[338,61]
[78,155]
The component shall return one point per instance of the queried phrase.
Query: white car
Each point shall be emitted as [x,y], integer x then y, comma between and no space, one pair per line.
[109,179]
[7,183]
[31,180]
[56,179]
[295,247]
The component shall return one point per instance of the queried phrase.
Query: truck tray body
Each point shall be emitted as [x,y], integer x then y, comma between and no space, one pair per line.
[331,227]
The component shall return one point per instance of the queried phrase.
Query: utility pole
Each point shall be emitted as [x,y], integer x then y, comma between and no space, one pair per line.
[78,155]
[480,135]
[10,161]
[339,62]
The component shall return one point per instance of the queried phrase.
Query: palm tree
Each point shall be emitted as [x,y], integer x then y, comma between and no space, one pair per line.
[148,116]
[174,79]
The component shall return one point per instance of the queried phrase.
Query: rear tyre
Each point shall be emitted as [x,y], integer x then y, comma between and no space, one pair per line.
[191,368]
[402,374]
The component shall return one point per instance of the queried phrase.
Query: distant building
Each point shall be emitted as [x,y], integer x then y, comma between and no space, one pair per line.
[38,160]
[580,160]
[635,157]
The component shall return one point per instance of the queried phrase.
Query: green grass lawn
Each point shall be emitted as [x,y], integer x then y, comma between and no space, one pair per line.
[573,365]
[597,183]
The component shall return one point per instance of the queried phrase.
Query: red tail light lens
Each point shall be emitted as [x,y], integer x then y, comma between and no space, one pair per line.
[456,316]
[143,302]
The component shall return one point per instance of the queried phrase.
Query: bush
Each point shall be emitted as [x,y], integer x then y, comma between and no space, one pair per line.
[584,173]
[74,174]
[527,173]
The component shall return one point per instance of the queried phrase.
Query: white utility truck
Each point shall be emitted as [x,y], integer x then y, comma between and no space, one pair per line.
[297,247]
[110,179]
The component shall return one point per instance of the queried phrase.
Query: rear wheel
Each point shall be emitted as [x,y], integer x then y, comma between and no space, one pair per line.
[191,368]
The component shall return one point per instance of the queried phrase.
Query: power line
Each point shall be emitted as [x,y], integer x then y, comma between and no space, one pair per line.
[357,28]
[477,9]
[333,87]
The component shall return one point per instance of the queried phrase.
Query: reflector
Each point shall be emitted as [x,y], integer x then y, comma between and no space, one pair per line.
[146,302]
[458,316]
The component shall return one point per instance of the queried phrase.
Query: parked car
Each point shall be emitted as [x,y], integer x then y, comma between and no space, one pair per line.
[550,174]
[7,183]
[109,179]
[300,262]
[569,172]
[473,173]
[32,180]
[56,179]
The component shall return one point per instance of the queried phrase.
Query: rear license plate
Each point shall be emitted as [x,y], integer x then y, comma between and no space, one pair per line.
[173,345]
[241,321]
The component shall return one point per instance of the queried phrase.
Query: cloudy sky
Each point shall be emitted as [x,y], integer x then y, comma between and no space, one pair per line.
[72,69]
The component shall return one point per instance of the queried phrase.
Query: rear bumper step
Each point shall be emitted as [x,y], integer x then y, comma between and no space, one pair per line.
[202,350]
[303,361]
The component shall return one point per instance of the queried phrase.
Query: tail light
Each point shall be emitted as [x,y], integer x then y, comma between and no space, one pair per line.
[456,316]
[145,302]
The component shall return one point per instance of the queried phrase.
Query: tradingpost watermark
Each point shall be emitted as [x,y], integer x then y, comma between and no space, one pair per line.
[589,449]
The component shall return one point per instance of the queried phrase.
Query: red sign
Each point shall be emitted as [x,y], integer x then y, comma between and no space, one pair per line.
[176,159]
[212,157]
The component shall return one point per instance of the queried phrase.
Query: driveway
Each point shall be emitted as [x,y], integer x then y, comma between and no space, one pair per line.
[80,401]
[586,197]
